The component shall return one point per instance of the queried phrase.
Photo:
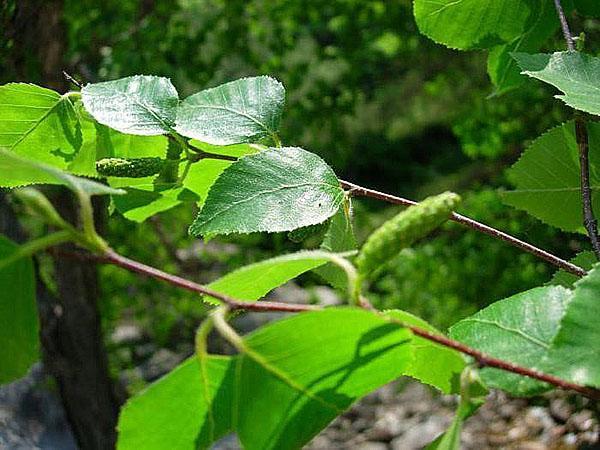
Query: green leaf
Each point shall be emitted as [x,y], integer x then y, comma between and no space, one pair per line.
[17,171]
[84,162]
[39,124]
[19,343]
[566,279]
[235,150]
[433,364]
[142,104]
[309,233]
[147,196]
[254,281]
[449,440]
[144,196]
[245,110]
[338,238]
[502,67]
[144,201]
[294,391]
[465,24]
[547,179]
[575,353]
[187,409]
[519,329]
[202,176]
[576,74]
[472,396]
[120,145]
[275,190]
[279,381]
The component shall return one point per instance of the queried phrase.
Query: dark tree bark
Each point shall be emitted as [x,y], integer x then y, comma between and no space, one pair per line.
[73,349]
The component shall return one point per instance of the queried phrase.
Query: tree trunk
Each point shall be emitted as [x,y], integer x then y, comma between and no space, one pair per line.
[74,352]
[72,345]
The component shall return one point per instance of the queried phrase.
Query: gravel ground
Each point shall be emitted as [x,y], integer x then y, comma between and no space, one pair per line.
[402,416]
[411,417]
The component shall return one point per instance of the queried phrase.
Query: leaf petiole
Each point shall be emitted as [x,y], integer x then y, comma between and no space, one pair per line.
[37,245]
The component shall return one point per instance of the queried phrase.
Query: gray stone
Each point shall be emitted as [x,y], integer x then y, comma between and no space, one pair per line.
[560,409]
[582,421]
[326,296]
[419,436]
[126,334]
[32,417]
[290,292]
[229,442]
[159,364]
[371,446]
[144,351]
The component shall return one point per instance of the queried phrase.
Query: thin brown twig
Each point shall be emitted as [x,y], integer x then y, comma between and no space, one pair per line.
[473,224]
[482,359]
[199,154]
[564,25]
[71,79]
[111,257]
[589,219]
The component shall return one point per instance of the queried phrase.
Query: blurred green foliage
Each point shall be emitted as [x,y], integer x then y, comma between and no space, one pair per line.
[381,103]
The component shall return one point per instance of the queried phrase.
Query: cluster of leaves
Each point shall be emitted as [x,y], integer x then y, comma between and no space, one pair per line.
[358,71]
[503,27]
[209,150]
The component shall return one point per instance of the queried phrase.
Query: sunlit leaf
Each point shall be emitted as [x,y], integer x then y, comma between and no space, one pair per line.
[576,74]
[17,171]
[433,364]
[338,238]
[295,391]
[575,352]
[254,281]
[468,24]
[187,409]
[233,150]
[245,110]
[547,178]
[275,190]
[39,124]
[519,329]
[141,104]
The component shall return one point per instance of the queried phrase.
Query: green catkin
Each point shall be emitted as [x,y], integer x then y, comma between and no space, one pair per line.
[301,234]
[404,229]
[132,168]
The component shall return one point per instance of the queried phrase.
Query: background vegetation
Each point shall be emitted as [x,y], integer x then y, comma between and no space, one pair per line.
[383,105]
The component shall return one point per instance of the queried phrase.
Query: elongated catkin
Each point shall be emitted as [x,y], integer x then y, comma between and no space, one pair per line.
[133,168]
[404,229]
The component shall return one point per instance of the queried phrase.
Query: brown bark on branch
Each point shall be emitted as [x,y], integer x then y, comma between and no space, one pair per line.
[589,219]
[473,224]
[482,359]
